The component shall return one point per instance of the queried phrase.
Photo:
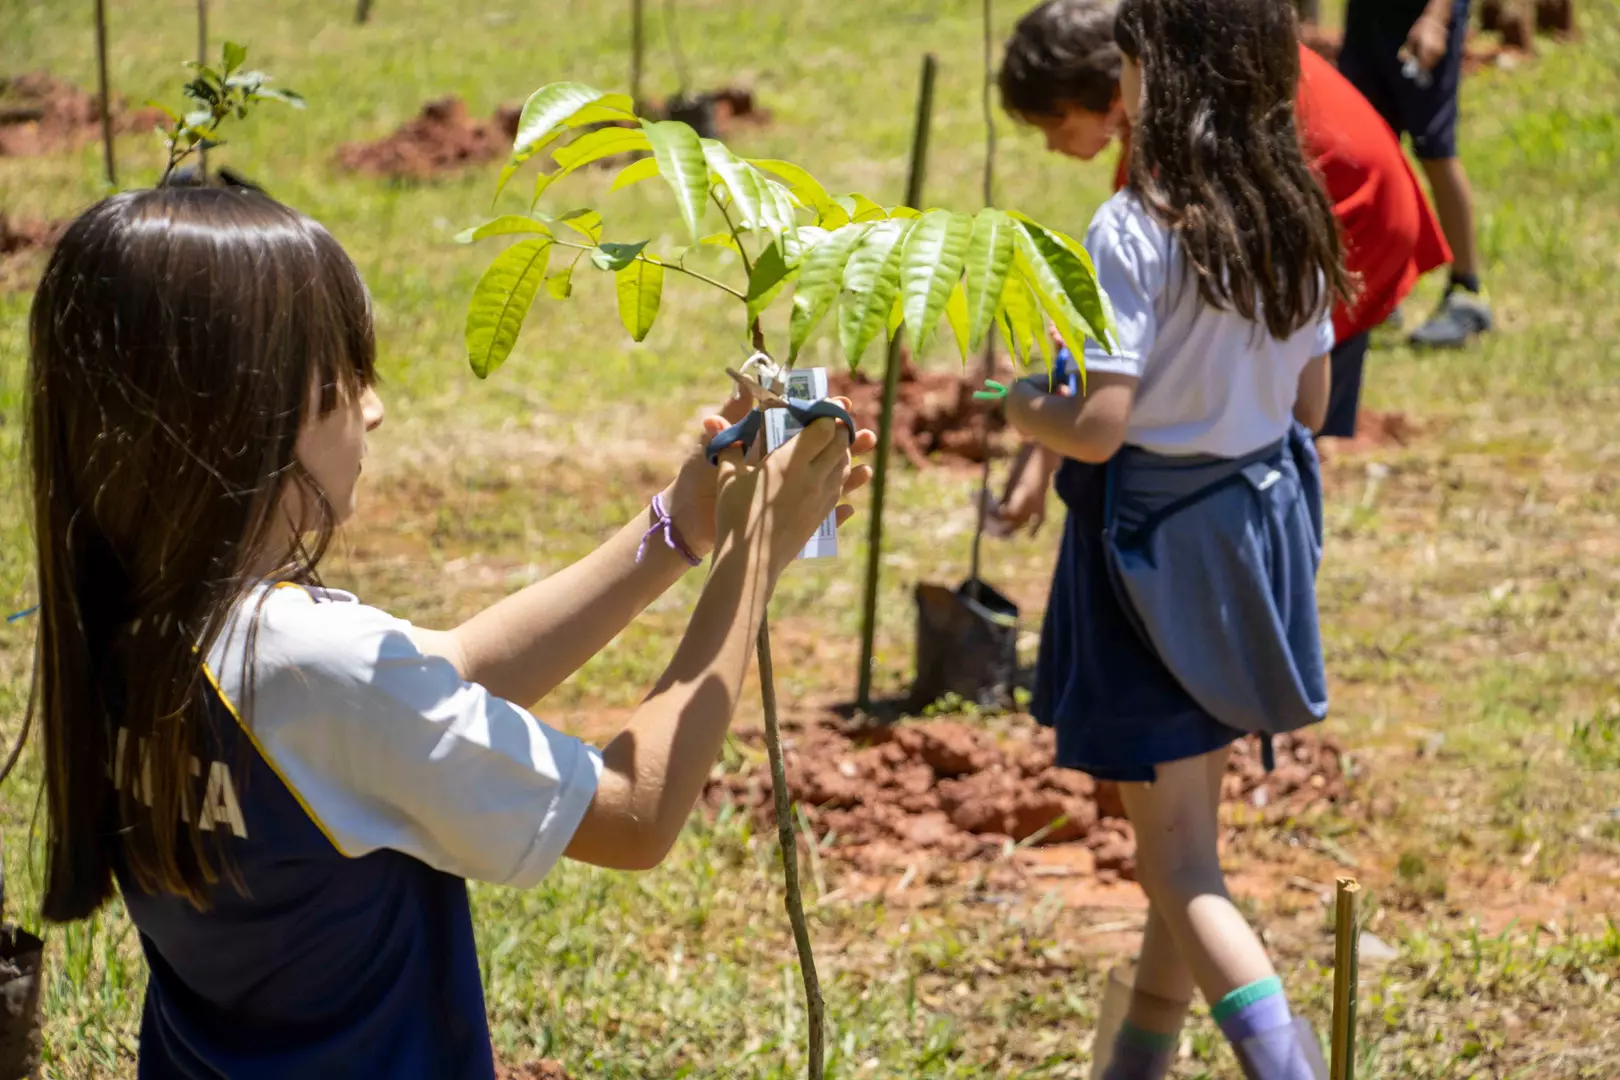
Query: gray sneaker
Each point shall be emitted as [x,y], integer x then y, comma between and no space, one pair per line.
[1460,316]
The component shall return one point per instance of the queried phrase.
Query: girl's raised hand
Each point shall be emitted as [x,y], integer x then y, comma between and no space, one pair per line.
[692,497]
[773,506]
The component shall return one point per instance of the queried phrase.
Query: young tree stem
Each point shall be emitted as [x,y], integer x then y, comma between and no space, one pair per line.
[786,834]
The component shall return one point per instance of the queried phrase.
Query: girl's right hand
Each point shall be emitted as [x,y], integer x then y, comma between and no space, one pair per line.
[772,507]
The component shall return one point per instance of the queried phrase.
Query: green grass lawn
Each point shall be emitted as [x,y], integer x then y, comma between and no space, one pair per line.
[1471,594]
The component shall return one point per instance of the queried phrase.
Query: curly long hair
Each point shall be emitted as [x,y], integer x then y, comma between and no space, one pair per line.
[1216,156]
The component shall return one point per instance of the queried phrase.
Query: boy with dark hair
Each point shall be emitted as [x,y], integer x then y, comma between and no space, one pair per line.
[1405,56]
[1060,73]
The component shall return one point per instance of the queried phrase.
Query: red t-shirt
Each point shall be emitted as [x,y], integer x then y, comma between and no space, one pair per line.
[1391,235]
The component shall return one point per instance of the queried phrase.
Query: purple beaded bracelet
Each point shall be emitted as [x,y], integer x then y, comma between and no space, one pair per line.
[672,536]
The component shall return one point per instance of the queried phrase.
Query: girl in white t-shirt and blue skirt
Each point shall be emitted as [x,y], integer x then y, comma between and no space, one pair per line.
[1183,608]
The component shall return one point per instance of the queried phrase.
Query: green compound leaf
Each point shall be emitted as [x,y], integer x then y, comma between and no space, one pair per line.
[819,280]
[681,163]
[640,286]
[501,302]
[930,268]
[871,283]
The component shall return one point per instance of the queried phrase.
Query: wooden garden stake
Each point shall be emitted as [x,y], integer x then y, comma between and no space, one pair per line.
[362,11]
[988,183]
[891,387]
[1346,955]
[102,90]
[638,47]
[202,58]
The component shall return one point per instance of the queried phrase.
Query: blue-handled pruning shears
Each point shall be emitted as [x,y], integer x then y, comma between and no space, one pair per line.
[746,430]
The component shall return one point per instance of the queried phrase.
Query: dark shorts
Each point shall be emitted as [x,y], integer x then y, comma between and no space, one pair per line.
[1349,356]
[1374,33]
[1117,710]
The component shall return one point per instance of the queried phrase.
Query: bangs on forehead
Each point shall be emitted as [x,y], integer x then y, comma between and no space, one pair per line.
[344,360]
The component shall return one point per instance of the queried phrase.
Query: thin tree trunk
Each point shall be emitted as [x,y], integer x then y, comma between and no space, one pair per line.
[105,95]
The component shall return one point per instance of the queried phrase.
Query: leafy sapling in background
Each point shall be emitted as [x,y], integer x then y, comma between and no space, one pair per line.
[884,269]
[216,96]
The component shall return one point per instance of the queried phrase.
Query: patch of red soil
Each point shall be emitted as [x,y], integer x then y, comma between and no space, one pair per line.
[40,114]
[19,240]
[934,413]
[1374,430]
[715,113]
[442,138]
[879,798]
[542,1069]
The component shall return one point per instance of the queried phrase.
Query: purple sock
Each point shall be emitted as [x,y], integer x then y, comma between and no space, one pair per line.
[1139,1054]
[1256,1021]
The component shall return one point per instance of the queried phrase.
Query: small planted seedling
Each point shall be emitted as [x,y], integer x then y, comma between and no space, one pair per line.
[885,270]
[216,96]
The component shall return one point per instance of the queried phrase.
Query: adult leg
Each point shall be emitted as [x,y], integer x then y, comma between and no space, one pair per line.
[1431,114]
[1179,866]
[1454,205]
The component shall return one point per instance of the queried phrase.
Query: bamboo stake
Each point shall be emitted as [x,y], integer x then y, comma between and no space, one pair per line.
[202,58]
[102,90]
[891,389]
[987,104]
[1346,956]
[638,47]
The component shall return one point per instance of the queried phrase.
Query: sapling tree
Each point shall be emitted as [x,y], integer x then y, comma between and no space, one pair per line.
[216,96]
[886,271]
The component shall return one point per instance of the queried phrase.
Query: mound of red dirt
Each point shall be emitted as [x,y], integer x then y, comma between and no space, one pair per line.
[40,113]
[542,1069]
[934,413]
[18,241]
[879,798]
[442,138]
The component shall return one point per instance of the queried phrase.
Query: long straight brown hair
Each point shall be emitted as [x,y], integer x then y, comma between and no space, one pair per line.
[1216,156]
[177,341]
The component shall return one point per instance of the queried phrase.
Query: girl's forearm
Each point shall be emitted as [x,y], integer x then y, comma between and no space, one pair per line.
[1086,429]
[654,770]
[522,647]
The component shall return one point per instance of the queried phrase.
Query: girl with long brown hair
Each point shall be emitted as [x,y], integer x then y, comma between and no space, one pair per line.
[288,787]
[1183,608]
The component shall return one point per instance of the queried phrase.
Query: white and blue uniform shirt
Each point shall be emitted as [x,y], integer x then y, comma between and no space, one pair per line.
[355,784]
[1213,382]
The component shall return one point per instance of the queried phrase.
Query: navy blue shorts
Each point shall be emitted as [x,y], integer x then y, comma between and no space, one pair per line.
[1374,34]
[1116,709]
[1349,357]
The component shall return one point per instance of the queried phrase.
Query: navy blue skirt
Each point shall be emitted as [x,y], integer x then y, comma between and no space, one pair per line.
[1116,709]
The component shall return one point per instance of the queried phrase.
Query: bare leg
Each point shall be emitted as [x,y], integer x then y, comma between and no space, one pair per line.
[1454,203]
[1161,972]
[1179,866]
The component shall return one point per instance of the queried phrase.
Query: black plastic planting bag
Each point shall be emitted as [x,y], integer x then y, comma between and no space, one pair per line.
[22,957]
[967,644]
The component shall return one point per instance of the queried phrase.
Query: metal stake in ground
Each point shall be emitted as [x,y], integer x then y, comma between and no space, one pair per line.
[891,387]
[1346,957]
[106,104]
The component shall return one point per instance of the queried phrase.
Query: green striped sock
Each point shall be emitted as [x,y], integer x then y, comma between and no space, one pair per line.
[1244,996]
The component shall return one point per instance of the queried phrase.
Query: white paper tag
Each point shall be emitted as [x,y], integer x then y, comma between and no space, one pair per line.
[803,384]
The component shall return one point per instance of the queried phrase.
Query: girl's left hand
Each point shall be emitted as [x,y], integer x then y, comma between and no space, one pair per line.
[691,498]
